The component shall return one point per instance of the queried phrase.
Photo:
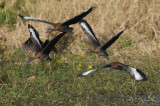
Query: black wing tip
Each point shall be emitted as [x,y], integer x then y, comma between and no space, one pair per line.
[30,26]
[92,8]
[126,26]
[80,75]
[21,16]
[143,75]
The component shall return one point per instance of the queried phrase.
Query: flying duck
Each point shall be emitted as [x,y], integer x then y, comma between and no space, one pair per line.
[64,26]
[100,50]
[42,50]
[134,73]
[28,45]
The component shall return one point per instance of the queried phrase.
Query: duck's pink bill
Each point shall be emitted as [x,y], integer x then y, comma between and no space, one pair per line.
[29,52]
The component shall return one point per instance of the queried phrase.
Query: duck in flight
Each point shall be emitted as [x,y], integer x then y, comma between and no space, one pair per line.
[42,50]
[30,47]
[100,50]
[134,73]
[64,26]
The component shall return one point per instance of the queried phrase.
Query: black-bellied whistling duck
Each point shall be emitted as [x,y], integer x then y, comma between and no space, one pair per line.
[42,50]
[30,47]
[64,26]
[100,50]
[134,73]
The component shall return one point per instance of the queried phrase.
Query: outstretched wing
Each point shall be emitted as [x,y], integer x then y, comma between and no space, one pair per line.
[87,72]
[78,17]
[52,43]
[112,40]
[34,19]
[93,70]
[37,43]
[45,43]
[134,73]
[27,46]
[89,32]
[137,74]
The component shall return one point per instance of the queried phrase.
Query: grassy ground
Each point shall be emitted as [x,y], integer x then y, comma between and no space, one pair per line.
[39,84]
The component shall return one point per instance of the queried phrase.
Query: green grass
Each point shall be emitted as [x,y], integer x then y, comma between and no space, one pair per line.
[124,42]
[9,15]
[39,84]
[19,4]
[2,17]
[12,18]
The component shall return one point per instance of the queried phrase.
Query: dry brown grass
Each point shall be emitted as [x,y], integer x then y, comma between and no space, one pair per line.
[138,46]
[142,17]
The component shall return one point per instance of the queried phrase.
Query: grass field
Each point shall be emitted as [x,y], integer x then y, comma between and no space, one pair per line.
[39,84]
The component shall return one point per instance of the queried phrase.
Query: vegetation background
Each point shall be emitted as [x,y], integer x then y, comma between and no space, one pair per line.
[39,84]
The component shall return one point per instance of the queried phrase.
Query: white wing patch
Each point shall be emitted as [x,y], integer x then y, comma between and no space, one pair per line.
[84,26]
[88,72]
[34,36]
[29,18]
[137,76]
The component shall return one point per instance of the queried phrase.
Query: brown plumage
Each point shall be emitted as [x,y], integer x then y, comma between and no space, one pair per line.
[98,49]
[64,26]
[42,50]
[134,73]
